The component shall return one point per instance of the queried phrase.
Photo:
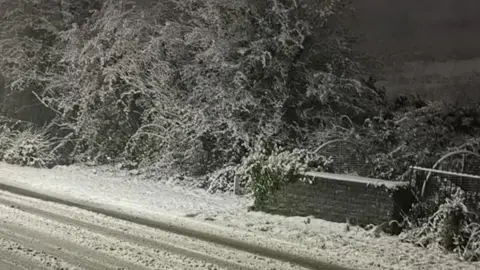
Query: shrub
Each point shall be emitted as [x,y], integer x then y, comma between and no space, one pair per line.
[452,226]
[270,169]
[7,138]
[29,148]
[179,92]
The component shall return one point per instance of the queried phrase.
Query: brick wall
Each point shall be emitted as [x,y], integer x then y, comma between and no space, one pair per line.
[361,202]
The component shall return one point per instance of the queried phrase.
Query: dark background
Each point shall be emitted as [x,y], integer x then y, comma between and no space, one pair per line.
[429,47]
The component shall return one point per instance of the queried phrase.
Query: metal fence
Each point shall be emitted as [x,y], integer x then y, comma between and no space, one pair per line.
[348,157]
[458,170]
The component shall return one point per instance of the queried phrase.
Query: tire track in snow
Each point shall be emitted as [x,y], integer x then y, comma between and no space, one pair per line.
[60,237]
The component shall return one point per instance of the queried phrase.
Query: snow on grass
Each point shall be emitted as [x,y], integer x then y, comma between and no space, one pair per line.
[346,245]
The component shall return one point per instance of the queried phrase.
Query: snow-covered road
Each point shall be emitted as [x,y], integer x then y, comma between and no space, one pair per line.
[226,215]
[35,234]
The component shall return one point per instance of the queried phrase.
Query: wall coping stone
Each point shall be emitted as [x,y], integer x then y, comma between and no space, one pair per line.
[357,179]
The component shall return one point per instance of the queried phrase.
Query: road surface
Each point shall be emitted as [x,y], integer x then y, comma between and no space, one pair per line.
[36,234]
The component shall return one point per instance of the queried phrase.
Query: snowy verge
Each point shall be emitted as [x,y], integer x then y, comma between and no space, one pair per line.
[227,214]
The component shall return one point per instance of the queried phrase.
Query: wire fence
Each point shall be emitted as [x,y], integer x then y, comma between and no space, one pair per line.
[348,157]
[454,172]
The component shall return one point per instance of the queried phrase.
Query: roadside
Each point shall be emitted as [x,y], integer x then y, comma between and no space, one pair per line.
[227,214]
[37,234]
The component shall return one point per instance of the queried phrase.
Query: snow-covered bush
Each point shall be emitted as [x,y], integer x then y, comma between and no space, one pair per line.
[29,148]
[418,135]
[452,225]
[272,167]
[189,91]
[6,140]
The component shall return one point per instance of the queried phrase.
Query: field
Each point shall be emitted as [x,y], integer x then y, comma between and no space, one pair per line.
[432,48]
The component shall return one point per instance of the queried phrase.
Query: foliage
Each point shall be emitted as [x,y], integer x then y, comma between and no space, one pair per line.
[271,168]
[27,148]
[192,92]
[418,135]
[6,141]
[452,226]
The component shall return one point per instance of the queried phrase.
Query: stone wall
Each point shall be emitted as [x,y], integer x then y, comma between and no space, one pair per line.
[337,198]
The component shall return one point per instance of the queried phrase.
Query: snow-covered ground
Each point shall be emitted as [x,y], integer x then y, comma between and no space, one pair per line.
[352,247]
